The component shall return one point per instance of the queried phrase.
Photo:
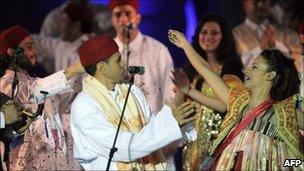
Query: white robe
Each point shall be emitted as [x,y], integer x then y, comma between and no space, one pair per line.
[155,57]
[93,134]
[39,150]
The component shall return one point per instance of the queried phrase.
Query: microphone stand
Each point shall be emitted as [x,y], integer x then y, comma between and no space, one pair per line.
[114,149]
[128,36]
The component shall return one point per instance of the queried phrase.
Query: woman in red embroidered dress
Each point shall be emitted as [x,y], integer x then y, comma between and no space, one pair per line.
[261,128]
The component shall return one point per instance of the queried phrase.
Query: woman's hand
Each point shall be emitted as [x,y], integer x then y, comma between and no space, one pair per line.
[181,80]
[177,38]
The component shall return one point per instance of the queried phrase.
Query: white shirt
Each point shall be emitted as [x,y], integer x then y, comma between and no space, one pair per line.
[94,135]
[155,57]
[39,136]
[2,120]
[258,28]
[247,37]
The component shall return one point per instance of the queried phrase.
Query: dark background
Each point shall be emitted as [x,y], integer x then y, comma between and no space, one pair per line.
[157,16]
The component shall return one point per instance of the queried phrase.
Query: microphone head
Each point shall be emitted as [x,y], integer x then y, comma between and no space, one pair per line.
[130,26]
[127,30]
[18,51]
[136,70]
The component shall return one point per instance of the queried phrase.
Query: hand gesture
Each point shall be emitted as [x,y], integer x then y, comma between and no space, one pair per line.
[181,80]
[184,113]
[177,38]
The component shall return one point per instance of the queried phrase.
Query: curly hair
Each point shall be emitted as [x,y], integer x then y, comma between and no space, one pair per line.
[287,81]
[226,53]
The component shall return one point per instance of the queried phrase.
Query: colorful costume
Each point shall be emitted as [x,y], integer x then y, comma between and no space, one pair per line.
[197,151]
[266,142]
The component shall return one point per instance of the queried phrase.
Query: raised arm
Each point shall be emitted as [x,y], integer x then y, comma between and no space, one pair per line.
[54,83]
[201,66]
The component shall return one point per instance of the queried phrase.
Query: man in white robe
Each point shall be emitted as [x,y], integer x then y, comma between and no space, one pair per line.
[97,109]
[145,51]
[44,142]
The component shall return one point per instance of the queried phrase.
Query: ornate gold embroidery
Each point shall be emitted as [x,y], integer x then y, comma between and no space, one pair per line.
[198,150]
[237,100]
[287,126]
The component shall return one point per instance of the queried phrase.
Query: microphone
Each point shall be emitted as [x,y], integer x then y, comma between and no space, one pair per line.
[136,70]
[128,29]
[18,51]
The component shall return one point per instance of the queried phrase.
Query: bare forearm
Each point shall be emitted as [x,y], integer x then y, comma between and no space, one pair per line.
[210,102]
[202,67]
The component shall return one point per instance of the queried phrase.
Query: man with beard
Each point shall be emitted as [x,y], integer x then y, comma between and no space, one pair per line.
[44,143]
[258,32]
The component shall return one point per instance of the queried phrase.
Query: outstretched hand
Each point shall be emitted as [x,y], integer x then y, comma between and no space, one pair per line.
[177,38]
[185,113]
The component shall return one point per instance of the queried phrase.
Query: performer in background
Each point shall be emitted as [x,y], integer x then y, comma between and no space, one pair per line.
[143,50]
[214,42]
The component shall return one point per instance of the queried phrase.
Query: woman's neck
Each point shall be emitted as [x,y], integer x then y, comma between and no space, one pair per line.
[259,95]
[211,59]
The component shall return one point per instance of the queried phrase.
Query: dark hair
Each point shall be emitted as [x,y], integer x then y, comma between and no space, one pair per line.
[80,11]
[91,69]
[287,81]
[5,62]
[226,53]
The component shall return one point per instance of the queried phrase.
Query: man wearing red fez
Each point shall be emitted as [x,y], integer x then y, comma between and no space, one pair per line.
[44,145]
[97,109]
[145,51]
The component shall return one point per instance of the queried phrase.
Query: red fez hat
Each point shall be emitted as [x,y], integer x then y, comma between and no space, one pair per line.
[97,49]
[302,27]
[78,11]
[115,3]
[12,37]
